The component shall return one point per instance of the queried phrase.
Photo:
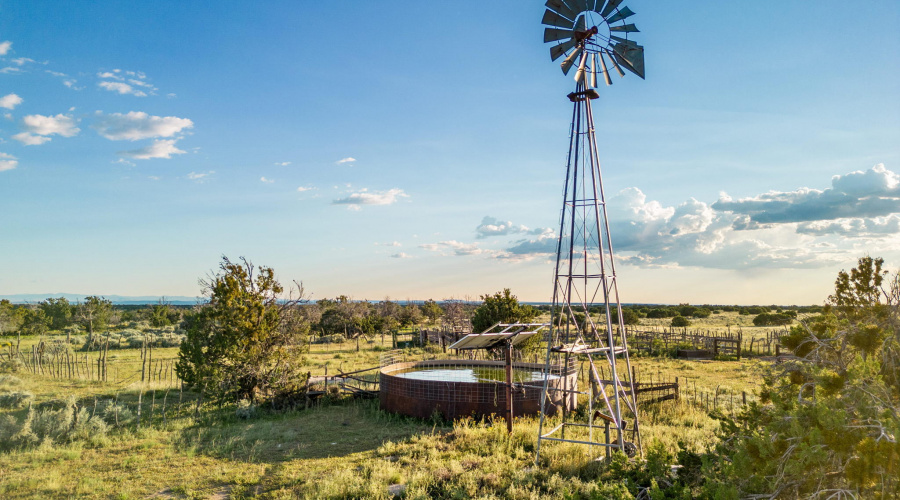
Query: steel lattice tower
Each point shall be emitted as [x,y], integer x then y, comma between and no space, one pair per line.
[586,317]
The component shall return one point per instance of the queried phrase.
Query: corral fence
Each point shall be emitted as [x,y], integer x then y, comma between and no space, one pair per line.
[704,344]
[56,359]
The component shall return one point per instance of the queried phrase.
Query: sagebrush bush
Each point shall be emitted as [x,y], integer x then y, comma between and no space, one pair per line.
[15,400]
[115,414]
[10,381]
[52,426]
[14,365]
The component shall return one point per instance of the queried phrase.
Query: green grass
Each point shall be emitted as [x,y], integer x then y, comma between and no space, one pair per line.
[348,449]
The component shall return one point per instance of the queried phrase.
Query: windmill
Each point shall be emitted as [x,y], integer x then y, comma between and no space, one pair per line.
[586,319]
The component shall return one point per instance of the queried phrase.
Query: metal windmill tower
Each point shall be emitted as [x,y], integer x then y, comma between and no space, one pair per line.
[586,319]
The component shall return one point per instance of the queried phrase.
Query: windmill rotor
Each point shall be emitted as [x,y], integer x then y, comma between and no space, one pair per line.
[592,30]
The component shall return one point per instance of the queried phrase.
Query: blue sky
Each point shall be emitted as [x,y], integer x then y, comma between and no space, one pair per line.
[416,149]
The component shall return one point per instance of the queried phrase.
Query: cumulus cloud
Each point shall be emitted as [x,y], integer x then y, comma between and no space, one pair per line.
[494,227]
[266,181]
[200,176]
[29,139]
[39,127]
[7,162]
[400,255]
[283,163]
[4,47]
[122,88]
[345,160]
[365,197]
[10,101]
[853,227]
[20,61]
[163,148]
[544,244]
[303,189]
[49,125]
[456,248]
[873,193]
[137,125]
[752,233]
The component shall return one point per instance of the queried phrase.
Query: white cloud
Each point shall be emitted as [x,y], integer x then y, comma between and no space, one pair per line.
[200,176]
[62,125]
[853,227]
[4,47]
[10,101]
[122,88]
[400,255]
[29,139]
[457,248]
[7,161]
[493,227]
[171,95]
[303,189]
[55,73]
[874,193]
[345,160]
[283,163]
[123,161]
[163,148]
[137,125]
[153,177]
[20,61]
[141,83]
[266,181]
[392,244]
[364,197]
[108,74]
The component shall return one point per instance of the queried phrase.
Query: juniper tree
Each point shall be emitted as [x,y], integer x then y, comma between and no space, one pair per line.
[248,341]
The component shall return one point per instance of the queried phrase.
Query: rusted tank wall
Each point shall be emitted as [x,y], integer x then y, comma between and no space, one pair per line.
[422,398]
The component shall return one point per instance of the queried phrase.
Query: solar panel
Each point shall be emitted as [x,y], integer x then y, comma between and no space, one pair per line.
[498,335]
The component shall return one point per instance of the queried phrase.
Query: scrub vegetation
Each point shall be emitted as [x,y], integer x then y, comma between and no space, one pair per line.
[821,422]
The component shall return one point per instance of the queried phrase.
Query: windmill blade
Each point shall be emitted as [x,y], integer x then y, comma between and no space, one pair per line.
[605,70]
[599,7]
[579,5]
[581,24]
[558,50]
[553,19]
[567,64]
[622,14]
[623,40]
[562,9]
[628,28]
[610,6]
[554,34]
[579,75]
[593,70]
[612,59]
[630,57]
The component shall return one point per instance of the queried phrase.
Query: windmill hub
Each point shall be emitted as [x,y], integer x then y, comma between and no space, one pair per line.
[584,35]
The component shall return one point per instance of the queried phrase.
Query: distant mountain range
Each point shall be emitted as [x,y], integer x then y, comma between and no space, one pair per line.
[33,298]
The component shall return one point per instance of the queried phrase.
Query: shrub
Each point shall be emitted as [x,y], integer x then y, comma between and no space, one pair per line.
[680,321]
[701,312]
[66,424]
[15,400]
[769,319]
[245,409]
[14,365]
[661,312]
[10,381]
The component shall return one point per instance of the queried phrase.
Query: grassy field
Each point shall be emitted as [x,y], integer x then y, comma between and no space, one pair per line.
[340,448]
